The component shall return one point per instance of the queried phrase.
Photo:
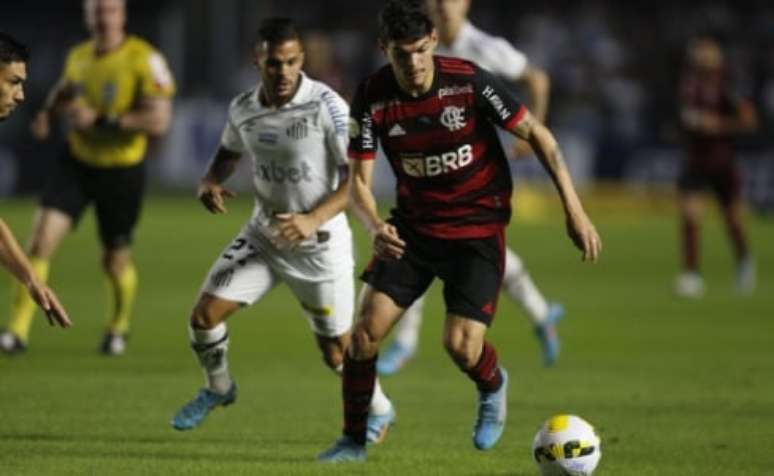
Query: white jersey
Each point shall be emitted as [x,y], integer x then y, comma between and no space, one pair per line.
[492,53]
[298,151]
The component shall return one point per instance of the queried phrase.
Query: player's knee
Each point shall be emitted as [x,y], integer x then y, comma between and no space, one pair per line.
[462,352]
[114,263]
[364,344]
[204,316]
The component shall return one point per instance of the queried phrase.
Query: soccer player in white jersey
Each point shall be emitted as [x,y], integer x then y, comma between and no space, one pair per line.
[295,130]
[457,37]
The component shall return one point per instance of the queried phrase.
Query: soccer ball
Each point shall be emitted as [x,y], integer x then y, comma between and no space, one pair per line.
[566,445]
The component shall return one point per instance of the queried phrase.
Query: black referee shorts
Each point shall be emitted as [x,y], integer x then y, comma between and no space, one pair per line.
[116,192]
[471,271]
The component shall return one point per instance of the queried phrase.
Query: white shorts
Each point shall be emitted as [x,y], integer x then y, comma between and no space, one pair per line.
[248,269]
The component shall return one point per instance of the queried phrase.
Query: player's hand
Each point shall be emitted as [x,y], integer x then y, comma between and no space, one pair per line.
[49,303]
[584,235]
[81,116]
[296,227]
[387,242]
[213,196]
[40,127]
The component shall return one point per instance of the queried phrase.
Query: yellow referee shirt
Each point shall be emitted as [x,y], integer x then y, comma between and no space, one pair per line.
[112,84]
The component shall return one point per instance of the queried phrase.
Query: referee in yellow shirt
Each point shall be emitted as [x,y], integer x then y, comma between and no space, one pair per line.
[115,91]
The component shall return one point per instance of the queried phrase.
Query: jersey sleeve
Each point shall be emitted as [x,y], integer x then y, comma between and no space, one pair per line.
[230,138]
[156,80]
[495,101]
[362,144]
[335,113]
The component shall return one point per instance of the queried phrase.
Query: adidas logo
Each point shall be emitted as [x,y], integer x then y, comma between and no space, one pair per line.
[396,131]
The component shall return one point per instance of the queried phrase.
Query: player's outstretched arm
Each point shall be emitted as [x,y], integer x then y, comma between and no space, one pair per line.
[211,193]
[13,258]
[579,226]
[387,242]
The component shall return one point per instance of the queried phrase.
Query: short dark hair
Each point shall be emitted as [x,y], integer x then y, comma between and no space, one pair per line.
[277,30]
[404,20]
[11,51]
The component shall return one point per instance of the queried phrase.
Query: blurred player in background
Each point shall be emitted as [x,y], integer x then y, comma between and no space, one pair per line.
[114,92]
[295,130]
[712,115]
[457,37]
[435,119]
[13,74]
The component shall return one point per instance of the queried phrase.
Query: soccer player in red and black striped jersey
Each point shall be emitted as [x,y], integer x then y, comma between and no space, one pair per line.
[711,115]
[435,119]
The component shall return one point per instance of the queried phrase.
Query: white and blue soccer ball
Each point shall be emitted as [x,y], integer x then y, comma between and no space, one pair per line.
[566,445]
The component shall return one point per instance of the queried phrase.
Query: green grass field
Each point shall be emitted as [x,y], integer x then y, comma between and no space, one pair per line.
[674,387]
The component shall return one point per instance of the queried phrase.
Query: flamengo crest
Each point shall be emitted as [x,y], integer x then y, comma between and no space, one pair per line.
[453,118]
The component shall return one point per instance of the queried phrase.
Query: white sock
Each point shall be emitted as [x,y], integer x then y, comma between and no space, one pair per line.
[407,329]
[210,347]
[380,404]
[520,287]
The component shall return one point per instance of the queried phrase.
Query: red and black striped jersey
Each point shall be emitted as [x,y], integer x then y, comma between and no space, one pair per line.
[708,94]
[453,178]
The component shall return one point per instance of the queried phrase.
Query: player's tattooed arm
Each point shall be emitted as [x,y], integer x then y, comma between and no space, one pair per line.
[211,193]
[579,227]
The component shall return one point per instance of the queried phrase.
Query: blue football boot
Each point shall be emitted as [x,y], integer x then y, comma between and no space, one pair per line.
[548,336]
[193,413]
[394,358]
[492,409]
[344,450]
[378,426]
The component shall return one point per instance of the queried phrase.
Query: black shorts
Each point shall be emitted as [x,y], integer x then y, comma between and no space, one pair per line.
[471,271]
[724,180]
[117,194]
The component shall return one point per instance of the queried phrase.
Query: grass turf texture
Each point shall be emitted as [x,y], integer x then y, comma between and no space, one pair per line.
[674,387]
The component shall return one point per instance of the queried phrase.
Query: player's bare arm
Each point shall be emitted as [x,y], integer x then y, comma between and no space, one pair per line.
[387,242]
[210,192]
[579,226]
[14,259]
[152,116]
[297,227]
[538,86]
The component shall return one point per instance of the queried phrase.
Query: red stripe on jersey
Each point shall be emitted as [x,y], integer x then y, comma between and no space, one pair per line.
[455,66]
[367,155]
[516,118]
[401,111]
